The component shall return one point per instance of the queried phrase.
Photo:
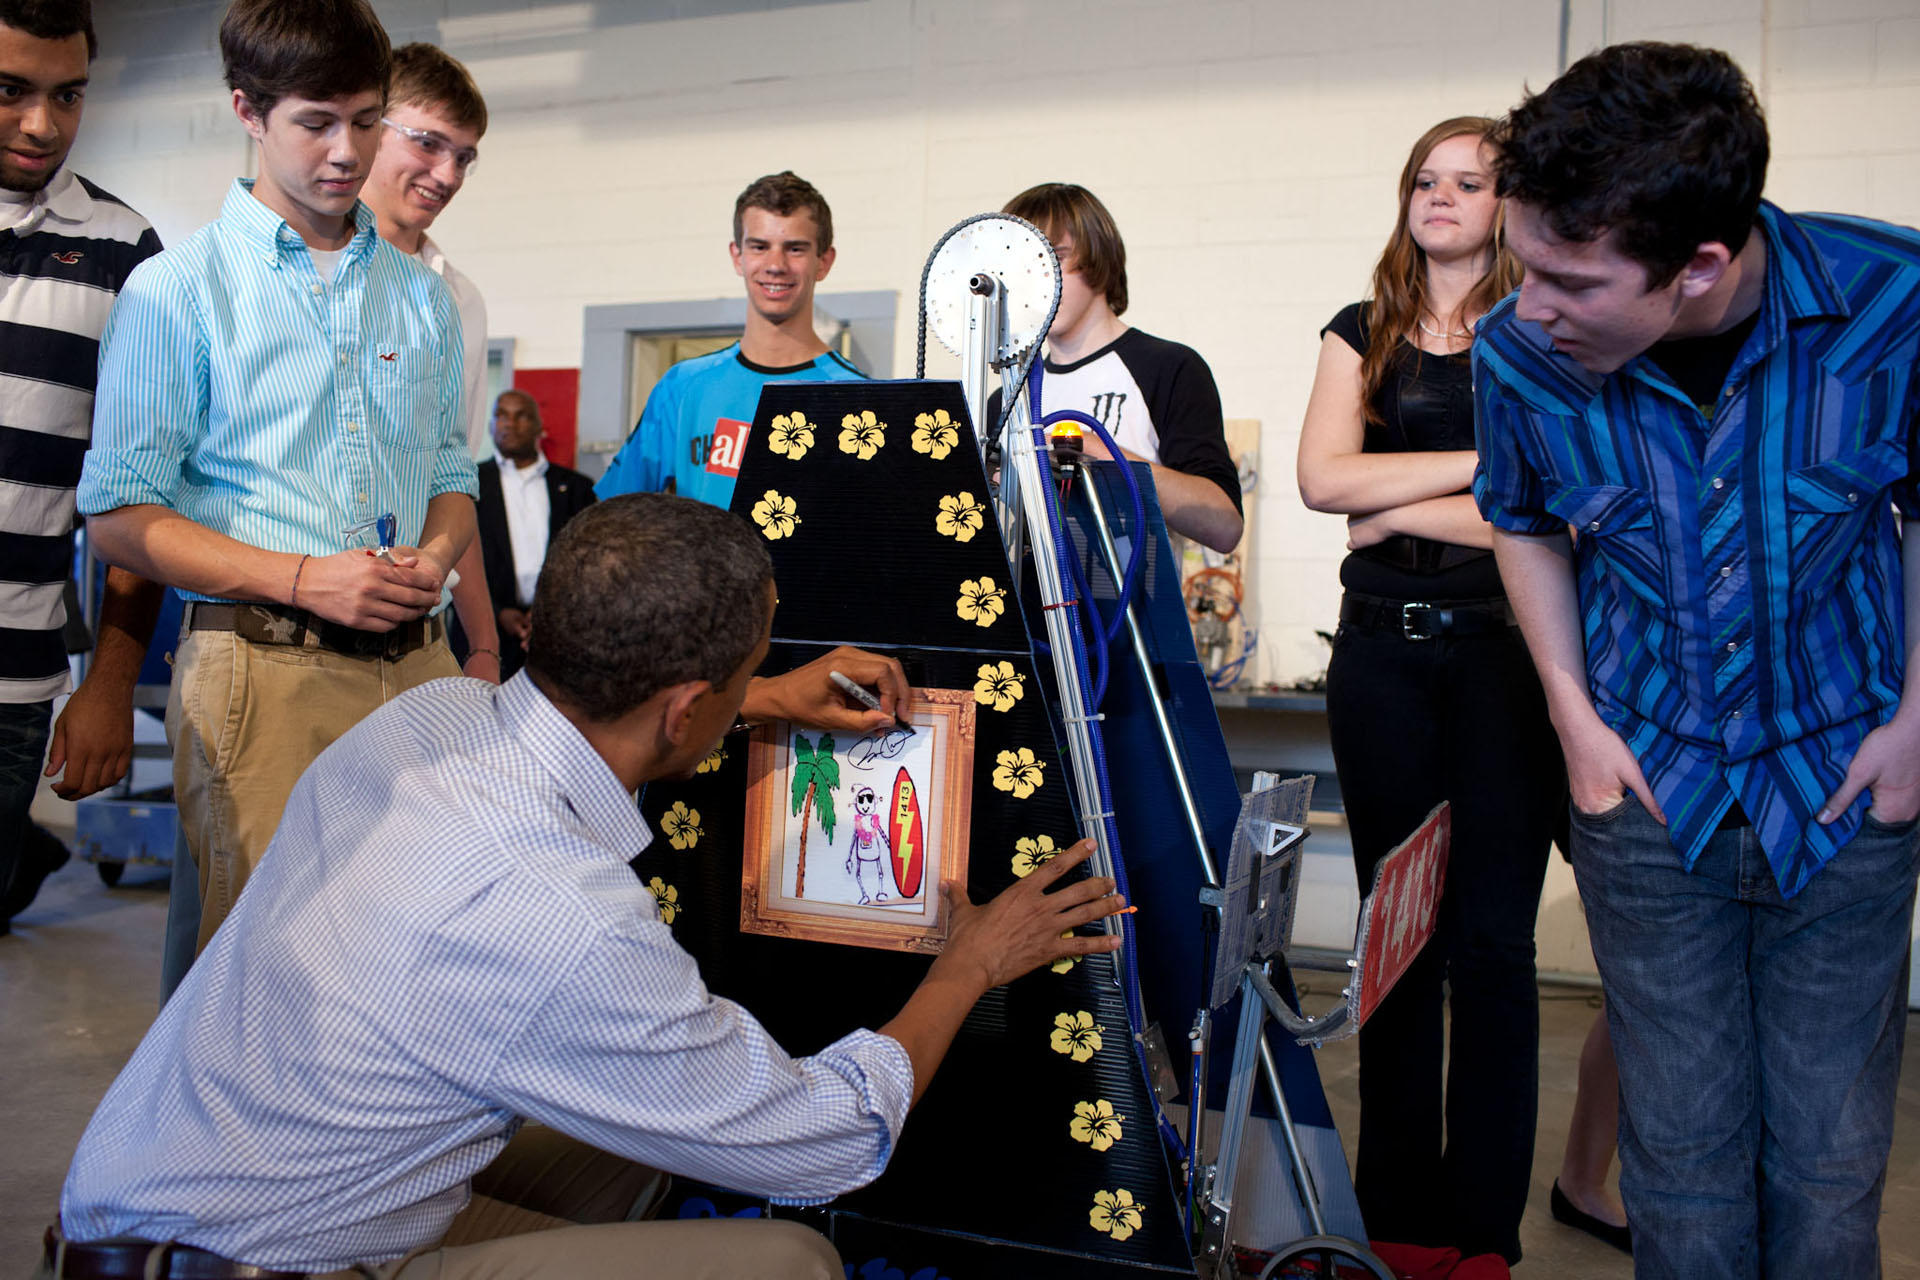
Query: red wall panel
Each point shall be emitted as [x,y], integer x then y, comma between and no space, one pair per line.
[557,392]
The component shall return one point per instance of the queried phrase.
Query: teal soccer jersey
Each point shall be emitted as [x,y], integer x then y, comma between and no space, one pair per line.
[693,431]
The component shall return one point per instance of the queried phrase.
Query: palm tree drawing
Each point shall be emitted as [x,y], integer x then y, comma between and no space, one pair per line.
[815,773]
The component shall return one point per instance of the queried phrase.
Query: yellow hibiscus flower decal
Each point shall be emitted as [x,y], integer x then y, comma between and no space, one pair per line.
[1065,963]
[981,601]
[961,516]
[682,825]
[713,761]
[669,899]
[935,433]
[862,434]
[999,686]
[1095,1124]
[1075,1034]
[1115,1213]
[791,435]
[776,514]
[1018,772]
[1030,853]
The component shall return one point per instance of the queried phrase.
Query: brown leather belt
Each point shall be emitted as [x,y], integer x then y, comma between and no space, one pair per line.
[128,1259]
[1418,620]
[278,624]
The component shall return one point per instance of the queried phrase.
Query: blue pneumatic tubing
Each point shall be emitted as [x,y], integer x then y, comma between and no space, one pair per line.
[1130,984]
[1082,591]
[1130,579]
[1100,655]
[1097,655]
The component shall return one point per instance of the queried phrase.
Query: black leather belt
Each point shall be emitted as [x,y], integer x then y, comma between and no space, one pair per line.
[278,624]
[127,1259]
[1419,620]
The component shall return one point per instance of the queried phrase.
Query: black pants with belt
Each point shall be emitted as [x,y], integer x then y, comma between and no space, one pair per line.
[1415,722]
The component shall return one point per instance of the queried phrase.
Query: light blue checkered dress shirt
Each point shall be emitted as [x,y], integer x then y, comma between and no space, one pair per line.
[239,389]
[444,936]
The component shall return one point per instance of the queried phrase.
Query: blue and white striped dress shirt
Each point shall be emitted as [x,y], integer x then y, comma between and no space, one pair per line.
[1739,570]
[243,391]
[445,936]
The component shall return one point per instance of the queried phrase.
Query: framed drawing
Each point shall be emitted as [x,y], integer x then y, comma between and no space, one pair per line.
[848,841]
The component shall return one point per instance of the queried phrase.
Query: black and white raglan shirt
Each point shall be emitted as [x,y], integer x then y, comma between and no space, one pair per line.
[64,254]
[1156,398]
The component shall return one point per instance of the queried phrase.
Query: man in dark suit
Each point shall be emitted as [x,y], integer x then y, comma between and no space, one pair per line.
[524,503]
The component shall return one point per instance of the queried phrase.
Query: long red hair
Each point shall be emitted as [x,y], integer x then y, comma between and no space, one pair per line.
[1400,278]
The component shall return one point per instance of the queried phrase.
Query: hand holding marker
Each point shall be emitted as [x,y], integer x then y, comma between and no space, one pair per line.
[859,694]
[385,529]
[866,699]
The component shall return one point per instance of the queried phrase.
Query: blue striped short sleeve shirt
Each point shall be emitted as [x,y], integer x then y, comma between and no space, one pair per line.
[244,392]
[1739,573]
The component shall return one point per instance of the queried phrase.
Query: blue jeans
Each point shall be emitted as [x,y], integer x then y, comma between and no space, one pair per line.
[1758,1040]
[183,918]
[23,753]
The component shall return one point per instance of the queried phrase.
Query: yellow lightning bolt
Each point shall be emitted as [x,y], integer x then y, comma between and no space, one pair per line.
[902,813]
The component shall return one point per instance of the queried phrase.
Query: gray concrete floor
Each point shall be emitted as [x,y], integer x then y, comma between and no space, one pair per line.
[1552,1250]
[79,982]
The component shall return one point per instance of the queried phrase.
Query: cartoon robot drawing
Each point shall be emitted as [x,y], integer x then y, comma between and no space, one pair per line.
[870,847]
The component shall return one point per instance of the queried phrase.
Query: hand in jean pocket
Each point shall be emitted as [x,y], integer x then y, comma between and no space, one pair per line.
[1601,770]
[1888,766]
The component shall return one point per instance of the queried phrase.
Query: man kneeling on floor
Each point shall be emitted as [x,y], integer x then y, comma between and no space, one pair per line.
[445,937]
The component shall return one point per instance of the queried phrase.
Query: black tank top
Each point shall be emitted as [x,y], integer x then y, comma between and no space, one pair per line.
[1426,402]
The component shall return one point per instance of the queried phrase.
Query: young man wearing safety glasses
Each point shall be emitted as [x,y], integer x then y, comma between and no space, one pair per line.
[429,143]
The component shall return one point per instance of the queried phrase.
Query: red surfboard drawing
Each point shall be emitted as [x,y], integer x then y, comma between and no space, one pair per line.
[904,832]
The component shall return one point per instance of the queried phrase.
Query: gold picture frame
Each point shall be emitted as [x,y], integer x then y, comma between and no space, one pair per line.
[872,875]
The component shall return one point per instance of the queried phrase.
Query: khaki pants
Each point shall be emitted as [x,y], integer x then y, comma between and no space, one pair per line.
[553,1207]
[701,1249]
[245,720]
[532,1198]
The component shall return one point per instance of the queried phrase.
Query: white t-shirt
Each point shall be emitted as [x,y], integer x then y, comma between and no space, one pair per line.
[1156,398]
[472,309]
[325,262]
[523,491]
[16,205]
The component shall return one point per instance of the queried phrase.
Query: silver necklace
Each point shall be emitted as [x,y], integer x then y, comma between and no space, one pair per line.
[1443,335]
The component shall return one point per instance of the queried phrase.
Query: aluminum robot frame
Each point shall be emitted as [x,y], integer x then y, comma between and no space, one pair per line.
[989,292]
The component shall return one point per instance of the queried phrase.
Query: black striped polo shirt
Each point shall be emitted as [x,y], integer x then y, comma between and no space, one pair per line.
[60,270]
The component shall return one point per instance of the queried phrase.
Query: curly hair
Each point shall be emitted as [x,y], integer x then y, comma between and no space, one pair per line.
[51,20]
[1662,144]
[643,592]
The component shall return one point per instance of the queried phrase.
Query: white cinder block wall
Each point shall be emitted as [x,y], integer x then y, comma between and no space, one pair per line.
[1248,149]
